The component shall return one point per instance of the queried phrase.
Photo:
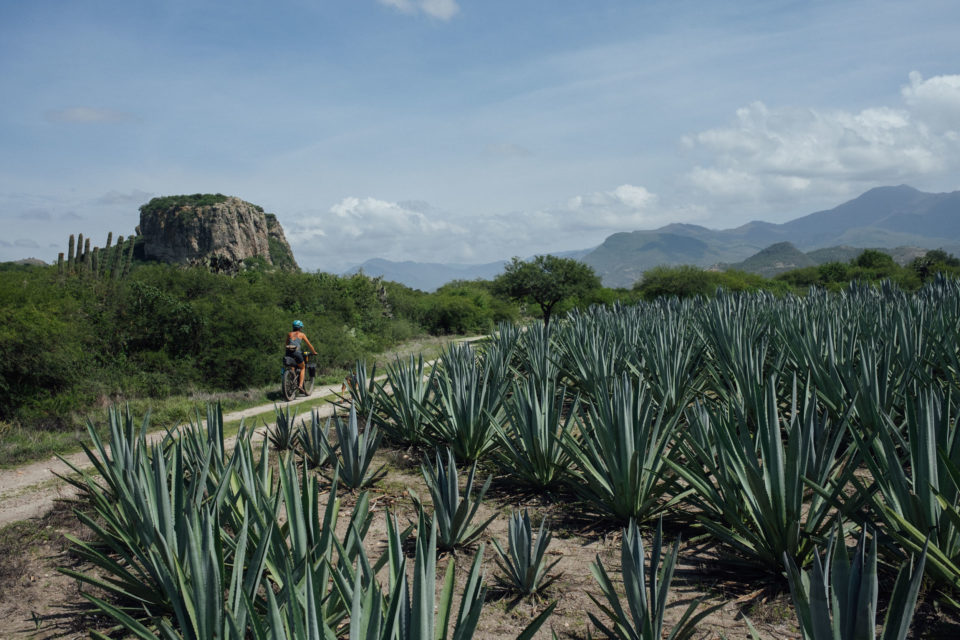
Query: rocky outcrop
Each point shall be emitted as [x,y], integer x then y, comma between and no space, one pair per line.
[280,254]
[212,230]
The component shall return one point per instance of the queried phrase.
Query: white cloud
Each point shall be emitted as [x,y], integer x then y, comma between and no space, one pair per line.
[936,101]
[777,154]
[88,115]
[440,9]
[356,229]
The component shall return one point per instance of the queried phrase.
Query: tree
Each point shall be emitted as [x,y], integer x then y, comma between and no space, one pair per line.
[874,259]
[546,280]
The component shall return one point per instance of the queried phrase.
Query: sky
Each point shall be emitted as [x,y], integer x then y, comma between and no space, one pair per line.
[467,130]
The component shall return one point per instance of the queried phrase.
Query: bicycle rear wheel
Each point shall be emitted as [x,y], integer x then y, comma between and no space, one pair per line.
[307,383]
[289,384]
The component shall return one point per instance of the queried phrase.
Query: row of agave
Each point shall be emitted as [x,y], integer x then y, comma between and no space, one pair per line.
[192,541]
[783,423]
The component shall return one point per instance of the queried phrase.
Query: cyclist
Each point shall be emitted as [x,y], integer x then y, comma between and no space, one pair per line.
[295,340]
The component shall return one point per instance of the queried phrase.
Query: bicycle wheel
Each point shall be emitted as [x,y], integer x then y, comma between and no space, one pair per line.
[288,386]
[307,383]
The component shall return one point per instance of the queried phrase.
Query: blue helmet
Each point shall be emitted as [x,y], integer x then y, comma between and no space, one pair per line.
[297,324]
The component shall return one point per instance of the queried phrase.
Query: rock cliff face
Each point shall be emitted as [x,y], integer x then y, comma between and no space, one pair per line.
[213,230]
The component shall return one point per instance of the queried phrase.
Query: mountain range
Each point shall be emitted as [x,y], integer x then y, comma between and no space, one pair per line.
[884,217]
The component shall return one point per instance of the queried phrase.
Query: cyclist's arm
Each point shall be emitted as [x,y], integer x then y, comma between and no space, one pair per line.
[309,345]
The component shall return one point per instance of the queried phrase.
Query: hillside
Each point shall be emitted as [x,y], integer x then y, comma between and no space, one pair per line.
[783,256]
[775,259]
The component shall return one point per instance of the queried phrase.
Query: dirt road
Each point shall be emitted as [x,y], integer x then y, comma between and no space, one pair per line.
[30,490]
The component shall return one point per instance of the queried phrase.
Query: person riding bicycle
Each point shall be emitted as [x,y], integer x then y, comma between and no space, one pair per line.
[295,340]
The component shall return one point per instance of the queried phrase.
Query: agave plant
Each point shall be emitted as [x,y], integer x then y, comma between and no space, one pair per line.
[738,338]
[537,353]
[415,606]
[646,592]
[362,390]
[590,359]
[454,513]
[191,560]
[357,451]
[204,444]
[305,545]
[752,490]
[669,359]
[468,403]
[538,422]
[158,545]
[622,454]
[405,397]
[198,588]
[298,620]
[410,610]
[115,459]
[837,598]
[283,434]
[915,488]
[314,442]
[523,563]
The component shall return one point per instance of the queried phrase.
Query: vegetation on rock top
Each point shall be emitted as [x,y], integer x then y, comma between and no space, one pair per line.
[168,203]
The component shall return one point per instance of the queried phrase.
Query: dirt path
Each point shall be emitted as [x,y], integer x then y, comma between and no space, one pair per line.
[29,491]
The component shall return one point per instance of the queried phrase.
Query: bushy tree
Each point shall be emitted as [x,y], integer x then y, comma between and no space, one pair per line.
[934,262]
[686,280]
[546,280]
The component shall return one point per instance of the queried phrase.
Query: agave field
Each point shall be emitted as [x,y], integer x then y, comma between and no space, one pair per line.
[810,443]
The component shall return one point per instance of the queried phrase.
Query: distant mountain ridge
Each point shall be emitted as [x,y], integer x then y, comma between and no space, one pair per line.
[884,217]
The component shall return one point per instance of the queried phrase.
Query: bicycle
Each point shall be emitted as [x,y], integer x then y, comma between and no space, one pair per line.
[290,378]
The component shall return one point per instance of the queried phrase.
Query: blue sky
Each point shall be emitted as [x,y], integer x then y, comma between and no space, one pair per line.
[467,130]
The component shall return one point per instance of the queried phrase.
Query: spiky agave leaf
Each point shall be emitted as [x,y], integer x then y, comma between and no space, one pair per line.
[837,598]
[645,592]
[752,490]
[314,442]
[538,420]
[468,402]
[405,398]
[357,451]
[622,454]
[523,563]
[453,512]
[283,433]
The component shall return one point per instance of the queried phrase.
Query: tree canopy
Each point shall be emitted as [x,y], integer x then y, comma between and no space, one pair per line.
[546,280]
